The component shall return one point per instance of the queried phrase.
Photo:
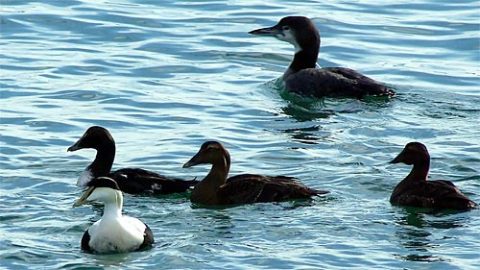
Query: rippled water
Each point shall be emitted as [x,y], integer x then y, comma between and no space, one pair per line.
[164,76]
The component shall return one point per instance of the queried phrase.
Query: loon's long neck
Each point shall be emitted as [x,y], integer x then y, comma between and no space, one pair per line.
[103,162]
[305,57]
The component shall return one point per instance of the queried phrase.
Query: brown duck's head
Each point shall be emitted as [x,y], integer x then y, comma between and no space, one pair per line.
[413,153]
[95,137]
[211,152]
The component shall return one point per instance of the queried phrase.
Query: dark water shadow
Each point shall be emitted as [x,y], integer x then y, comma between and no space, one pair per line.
[307,135]
[413,231]
[302,108]
[286,205]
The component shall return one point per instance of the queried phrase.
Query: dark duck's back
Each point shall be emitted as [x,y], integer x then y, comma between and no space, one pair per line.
[130,180]
[136,180]
[253,188]
[303,78]
[415,190]
[216,189]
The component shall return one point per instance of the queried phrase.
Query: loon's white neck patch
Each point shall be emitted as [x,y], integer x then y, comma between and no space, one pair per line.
[296,46]
[84,178]
[288,36]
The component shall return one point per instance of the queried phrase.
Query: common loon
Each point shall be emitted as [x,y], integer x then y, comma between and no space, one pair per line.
[303,78]
[415,190]
[216,189]
[114,232]
[130,180]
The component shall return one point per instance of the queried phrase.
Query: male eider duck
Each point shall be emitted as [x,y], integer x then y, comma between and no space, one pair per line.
[303,78]
[415,190]
[130,180]
[114,232]
[216,189]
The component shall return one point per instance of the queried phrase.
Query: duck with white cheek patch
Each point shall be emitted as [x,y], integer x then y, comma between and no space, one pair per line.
[302,76]
[114,232]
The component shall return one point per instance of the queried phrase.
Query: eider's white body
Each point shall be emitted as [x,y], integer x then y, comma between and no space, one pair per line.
[113,233]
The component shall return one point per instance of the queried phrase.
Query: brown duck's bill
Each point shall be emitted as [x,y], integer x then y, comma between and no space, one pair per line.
[398,159]
[83,199]
[269,31]
[195,160]
[192,162]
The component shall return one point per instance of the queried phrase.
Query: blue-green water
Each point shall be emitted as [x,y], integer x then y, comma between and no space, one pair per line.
[164,76]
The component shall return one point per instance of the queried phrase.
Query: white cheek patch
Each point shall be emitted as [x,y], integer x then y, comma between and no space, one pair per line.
[288,36]
[84,178]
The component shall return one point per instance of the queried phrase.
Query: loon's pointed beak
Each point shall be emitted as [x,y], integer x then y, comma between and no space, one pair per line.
[83,199]
[269,31]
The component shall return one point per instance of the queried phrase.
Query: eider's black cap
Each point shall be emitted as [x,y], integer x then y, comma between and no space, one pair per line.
[103,181]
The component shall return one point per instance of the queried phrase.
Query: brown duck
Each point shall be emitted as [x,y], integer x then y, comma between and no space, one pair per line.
[415,190]
[216,189]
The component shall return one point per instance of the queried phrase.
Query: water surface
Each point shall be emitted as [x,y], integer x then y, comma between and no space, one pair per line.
[164,76]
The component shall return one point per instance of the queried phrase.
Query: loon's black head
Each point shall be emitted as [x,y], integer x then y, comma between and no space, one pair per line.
[296,30]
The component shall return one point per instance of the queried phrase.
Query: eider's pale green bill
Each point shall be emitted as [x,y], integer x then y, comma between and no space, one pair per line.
[83,199]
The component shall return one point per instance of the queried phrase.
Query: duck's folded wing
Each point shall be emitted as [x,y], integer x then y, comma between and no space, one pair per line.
[435,194]
[136,181]
[447,195]
[280,188]
[240,189]
[335,82]
[249,188]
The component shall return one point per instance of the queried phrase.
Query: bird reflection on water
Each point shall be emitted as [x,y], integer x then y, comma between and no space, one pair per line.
[414,231]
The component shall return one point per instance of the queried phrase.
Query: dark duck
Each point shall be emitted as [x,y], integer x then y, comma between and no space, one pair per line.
[216,189]
[416,191]
[302,76]
[114,232]
[130,180]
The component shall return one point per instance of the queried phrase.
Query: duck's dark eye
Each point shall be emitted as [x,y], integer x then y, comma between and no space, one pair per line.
[286,28]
